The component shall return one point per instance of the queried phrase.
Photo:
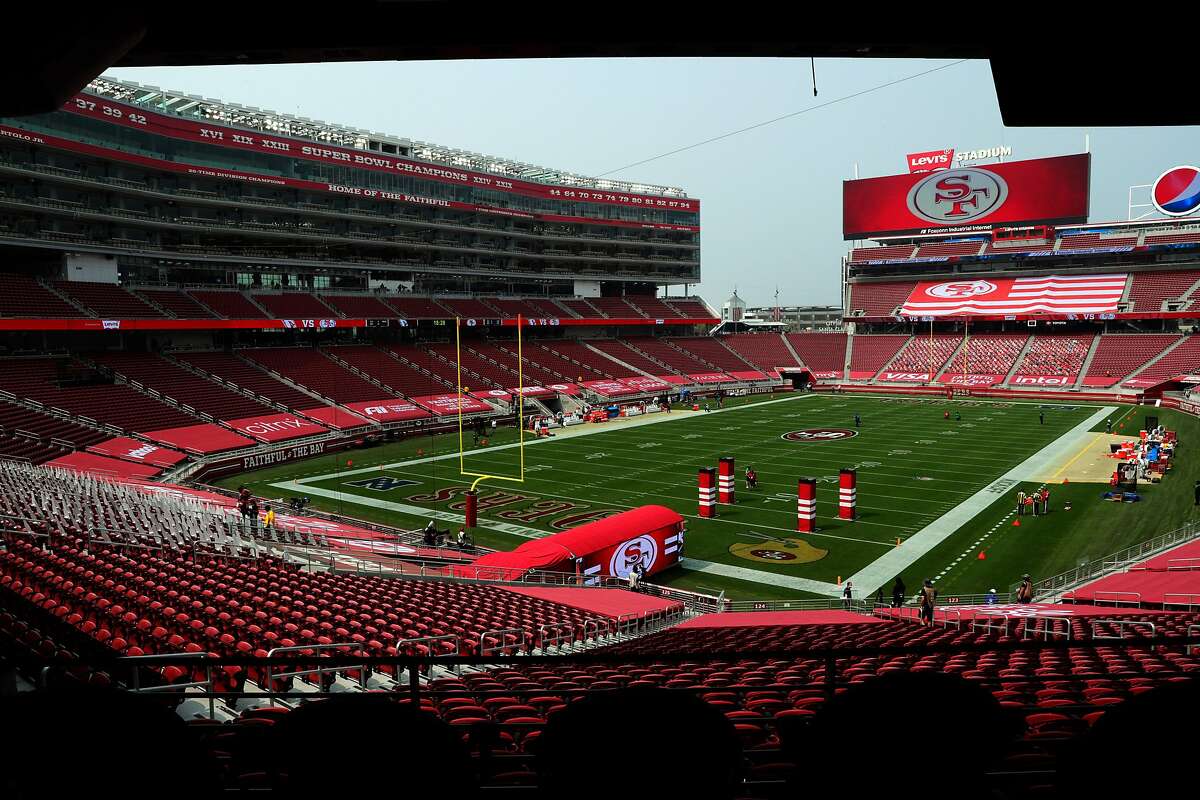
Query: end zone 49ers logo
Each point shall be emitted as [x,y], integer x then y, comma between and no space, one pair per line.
[820,435]
[642,550]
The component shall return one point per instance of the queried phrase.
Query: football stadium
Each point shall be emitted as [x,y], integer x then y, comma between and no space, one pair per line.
[308,431]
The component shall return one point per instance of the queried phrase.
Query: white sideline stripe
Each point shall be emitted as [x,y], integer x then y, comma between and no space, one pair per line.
[760,576]
[896,560]
[416,511]
[590,430]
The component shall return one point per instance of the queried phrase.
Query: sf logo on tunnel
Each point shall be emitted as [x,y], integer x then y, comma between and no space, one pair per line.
[959,195]
[642,550]
[820,435]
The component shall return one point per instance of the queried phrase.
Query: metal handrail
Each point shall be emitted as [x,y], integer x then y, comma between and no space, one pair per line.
[983,619]
[485,650]
[171,658]
[556,635]
[1189,563]
[1192,649]
[1121,624]
[1047,627]
[1116,598]
[1192,601]
[270,677]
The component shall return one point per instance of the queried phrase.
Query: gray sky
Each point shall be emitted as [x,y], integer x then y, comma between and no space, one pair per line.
[771,198]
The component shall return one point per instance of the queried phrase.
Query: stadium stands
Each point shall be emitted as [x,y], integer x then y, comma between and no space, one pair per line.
[695,309]
[889,253]
[1055,355]
[1150,291]
[504,353]
[228,304]
[412,379]
[233,369]
[16,418]
[652,307]
[549,308]
[23,296]
[582,308]
[592,361]
[711,351]
[869,354]
[621,351]
[615,307]
[675,359]
[510,307]
[467,308]
[1085,241]
[293,305]
[878,299]
[177,302]
[945,249]
[113,404]
[1183,360]
[547,359]
[417,307]
[1119,355]
[988,354]
[1181,237]
[767,351]
[311,369]
[820,352]
[107,300]
[171,380]
[496,375]
[358,305]
[924,353]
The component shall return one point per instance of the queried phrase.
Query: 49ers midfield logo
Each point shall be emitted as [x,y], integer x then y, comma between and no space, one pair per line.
[820,435]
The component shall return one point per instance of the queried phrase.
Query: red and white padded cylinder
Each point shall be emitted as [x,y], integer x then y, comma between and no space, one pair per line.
[806,505]
[706,482]
[847,494]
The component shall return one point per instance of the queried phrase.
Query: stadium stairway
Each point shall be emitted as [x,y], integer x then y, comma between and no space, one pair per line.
[613,358]
[950,361]
[1087,360]
[1163,354]
[1018,360]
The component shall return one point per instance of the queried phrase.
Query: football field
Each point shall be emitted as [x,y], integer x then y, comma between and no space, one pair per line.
[931,491]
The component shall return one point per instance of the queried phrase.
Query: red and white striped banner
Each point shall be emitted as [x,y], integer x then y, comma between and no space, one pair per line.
[1054,294]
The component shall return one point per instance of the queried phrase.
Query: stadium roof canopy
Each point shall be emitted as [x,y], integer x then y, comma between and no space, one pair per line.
[1050,66]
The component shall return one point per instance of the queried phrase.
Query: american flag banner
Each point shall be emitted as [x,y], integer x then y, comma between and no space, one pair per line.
[1053,294]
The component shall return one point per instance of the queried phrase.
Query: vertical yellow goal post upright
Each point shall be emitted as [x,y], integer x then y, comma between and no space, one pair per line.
[519,400]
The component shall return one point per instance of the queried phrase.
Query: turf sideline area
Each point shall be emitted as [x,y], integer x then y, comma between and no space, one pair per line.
[886,567]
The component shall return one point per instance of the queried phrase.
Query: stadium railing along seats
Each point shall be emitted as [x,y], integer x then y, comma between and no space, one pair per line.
[988,354]
[922,354]
[1119,355]
[233,369]
[311,369]
[878,299]
[16,418]
[1150,291]
[495,375]
[177,302]
[550,362]
[504,353]
[712,351]
[661,351]
[594,362]
[652,307]
[468,308]
[1086,241]
[1183,360]
[582,308]
[385,367]
[615,307]
[358,305]
[618,349]
[114,404]
[1055,355]
[949,249]
[23,296]
[511,307]
[767,350]
[895,252]
[107,300]
[288,305]
[550,309]
[869,354]
[416,307]
[171,380]
[692,308]
[229,304]
[822,352]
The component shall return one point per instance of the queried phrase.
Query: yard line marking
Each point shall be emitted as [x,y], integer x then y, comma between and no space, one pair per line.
[758,576]
[921,543]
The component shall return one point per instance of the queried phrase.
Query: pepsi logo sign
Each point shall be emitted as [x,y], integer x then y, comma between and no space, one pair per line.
[642,550]
[1176,193]
[959,195]
[820,435]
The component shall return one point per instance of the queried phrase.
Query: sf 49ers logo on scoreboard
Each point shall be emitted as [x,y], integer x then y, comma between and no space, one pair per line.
[820,435]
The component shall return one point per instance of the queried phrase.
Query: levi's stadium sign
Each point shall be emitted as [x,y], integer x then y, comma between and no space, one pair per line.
[1044,190]
[944,159]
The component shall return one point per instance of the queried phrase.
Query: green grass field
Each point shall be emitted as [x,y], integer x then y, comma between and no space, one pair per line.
[913,466]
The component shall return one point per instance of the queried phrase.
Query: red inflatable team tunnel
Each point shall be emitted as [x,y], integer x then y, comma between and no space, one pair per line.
[651,536]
